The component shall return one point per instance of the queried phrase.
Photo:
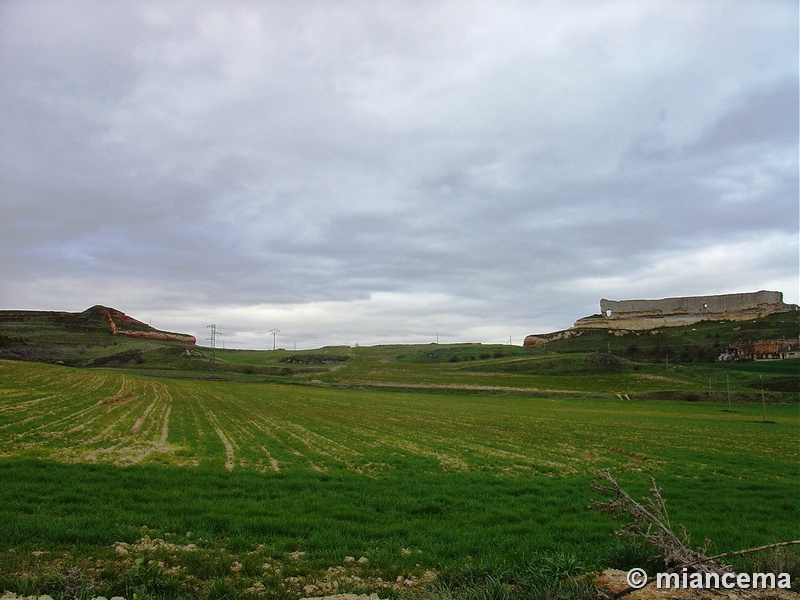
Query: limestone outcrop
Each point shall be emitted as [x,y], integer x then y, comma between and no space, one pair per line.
[673,312]
[141,330]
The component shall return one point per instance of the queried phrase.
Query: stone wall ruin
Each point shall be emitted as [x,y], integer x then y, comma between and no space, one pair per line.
[673,312]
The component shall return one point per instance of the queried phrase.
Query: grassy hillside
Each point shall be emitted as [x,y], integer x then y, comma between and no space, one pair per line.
[648,364]
[700,342]
[80,339]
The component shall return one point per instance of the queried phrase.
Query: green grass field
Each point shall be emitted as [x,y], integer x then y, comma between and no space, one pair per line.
[381,470]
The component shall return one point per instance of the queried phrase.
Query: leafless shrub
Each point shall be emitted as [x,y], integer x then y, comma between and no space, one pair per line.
[649,525]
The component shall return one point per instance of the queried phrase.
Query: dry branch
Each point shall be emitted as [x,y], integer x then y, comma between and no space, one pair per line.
[649,525]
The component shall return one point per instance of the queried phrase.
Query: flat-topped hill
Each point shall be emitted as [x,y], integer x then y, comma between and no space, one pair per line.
[60,336]
[95,320]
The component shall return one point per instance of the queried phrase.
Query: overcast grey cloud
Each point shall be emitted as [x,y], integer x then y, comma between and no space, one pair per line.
[373,172]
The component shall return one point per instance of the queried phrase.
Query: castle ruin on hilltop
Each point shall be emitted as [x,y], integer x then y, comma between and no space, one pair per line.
[673,312]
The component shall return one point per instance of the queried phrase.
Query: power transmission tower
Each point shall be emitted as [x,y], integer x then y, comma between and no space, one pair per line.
[274,332]
[213,339]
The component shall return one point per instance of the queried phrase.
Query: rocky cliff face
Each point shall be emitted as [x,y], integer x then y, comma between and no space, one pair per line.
[137,329]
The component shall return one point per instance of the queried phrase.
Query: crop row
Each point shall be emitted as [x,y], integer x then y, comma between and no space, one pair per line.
[104,417]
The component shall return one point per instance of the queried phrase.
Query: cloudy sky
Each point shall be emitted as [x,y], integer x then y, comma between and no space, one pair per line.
[377,172]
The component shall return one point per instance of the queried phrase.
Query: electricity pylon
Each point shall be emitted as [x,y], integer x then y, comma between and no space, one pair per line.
[213,339]
[274,332]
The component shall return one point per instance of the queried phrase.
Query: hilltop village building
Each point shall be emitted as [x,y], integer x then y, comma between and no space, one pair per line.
[762,350]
